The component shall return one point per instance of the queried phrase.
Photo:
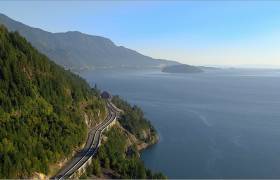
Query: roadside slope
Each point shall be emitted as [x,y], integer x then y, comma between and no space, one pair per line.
[119,154]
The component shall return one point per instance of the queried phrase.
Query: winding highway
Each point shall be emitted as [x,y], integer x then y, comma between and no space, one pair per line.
[91,146]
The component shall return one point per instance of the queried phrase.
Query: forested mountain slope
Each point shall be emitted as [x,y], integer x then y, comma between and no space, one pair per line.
[45,112]
[77,50]
[42,109]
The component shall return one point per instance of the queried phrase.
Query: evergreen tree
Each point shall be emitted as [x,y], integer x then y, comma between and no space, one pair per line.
[42,109]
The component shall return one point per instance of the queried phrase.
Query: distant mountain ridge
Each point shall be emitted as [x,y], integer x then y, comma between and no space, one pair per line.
[76,50]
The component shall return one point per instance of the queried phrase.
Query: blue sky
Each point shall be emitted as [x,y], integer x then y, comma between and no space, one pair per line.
[193,32]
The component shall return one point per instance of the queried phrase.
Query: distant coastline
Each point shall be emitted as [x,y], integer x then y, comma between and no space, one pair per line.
[182,68]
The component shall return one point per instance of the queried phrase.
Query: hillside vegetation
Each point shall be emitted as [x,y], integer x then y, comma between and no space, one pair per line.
[42,109]
[119,156]
[120,149]
[134,121]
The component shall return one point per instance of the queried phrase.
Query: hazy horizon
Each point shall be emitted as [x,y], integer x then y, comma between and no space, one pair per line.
[198,33]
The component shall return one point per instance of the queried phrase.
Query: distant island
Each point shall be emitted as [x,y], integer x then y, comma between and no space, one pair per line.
[182,68]
[207,68]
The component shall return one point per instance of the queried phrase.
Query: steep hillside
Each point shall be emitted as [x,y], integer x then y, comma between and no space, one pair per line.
[133,121]
[42,109]
[119,155]
[76,50]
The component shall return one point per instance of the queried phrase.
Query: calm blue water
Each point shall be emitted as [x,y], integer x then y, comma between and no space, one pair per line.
[219,124]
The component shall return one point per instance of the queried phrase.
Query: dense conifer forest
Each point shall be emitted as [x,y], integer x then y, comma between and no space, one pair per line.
[42,109]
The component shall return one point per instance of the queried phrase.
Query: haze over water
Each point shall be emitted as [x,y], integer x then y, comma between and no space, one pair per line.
[217,124]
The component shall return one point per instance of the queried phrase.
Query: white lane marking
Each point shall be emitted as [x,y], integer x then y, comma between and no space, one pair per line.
[108,122]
